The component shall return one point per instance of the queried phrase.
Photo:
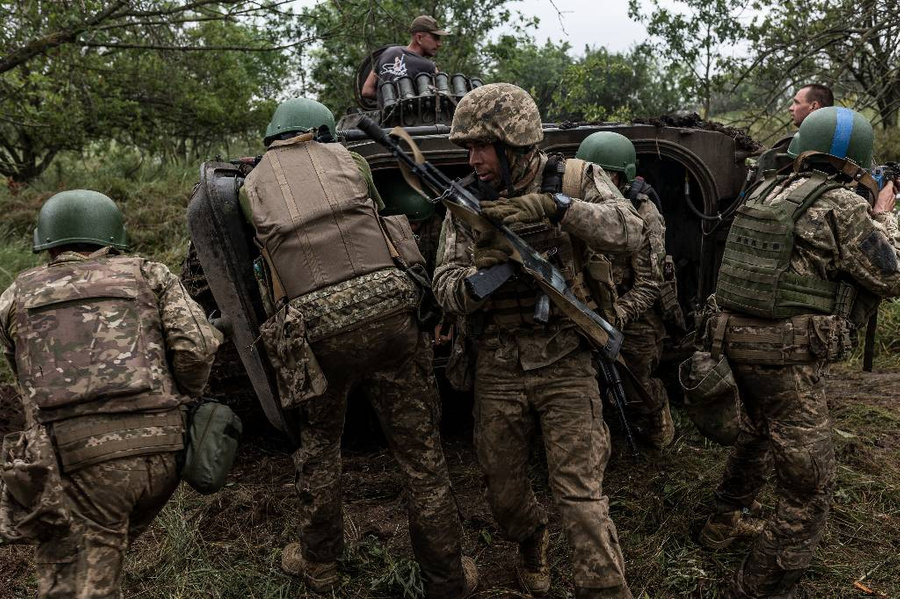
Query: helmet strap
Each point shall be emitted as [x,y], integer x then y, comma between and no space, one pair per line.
[500,148]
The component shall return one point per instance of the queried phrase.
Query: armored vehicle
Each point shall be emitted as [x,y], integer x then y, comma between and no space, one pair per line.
[697,168]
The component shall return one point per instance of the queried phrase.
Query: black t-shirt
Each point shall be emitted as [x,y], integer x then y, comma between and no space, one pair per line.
[397,61]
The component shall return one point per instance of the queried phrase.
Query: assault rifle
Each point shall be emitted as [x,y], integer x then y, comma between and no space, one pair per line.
[464,205]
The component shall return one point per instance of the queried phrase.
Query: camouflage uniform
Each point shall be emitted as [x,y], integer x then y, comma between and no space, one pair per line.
[118,454]
[637,279]
[533,370]
[785,420]
[362,331]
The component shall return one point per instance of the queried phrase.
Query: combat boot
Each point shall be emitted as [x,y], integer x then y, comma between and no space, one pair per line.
[722,529]
[320,577]
[532,563]
[470,571]
[661,428]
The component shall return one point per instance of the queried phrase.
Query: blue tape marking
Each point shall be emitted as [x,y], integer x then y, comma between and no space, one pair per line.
[842,130]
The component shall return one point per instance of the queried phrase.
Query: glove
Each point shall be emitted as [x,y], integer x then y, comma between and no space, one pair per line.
[491,249]
[530,208]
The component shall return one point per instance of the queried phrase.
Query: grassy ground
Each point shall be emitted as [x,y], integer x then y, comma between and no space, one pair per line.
[228,545]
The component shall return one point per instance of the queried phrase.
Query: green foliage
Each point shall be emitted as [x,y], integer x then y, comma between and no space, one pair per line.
[351,29]
[537,69]
[145,75]
[697,36]
[605,86]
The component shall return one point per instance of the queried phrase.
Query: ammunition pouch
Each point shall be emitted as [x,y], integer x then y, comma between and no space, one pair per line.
[299,376]
[711,396]
[32,501]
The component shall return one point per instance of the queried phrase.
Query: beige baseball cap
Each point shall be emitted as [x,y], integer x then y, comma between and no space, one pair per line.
[426,24]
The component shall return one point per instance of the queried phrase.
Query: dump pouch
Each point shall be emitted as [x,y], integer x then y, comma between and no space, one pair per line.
[214,433]
[297,370]
[711,396]
[32,502]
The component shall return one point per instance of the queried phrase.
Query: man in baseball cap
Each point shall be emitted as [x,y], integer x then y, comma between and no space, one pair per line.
[408,61]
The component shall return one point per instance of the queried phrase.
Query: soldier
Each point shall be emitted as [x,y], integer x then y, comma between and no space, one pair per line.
[526,369]
[107,349]
[345,316]
[807,99]
[408,61]
[805,262]
[639,281]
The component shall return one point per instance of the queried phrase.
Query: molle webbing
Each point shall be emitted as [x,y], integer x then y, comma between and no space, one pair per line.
[90,440]
[755,277]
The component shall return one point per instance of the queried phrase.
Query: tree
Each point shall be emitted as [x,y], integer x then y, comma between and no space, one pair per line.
[351,29]
[616,86]
[853,47]
[537,69]
[696,40]
[169,76]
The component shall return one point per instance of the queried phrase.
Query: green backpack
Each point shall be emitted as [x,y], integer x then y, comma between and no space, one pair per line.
[213,436]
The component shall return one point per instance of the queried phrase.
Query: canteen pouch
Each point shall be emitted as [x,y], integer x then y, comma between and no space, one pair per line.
[297,370]
[711,397]
[32,502]
[214,433]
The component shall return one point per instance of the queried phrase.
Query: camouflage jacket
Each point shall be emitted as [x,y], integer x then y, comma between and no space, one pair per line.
[638,276]
[838,238]
[189,341]
[838,235]
[601,218]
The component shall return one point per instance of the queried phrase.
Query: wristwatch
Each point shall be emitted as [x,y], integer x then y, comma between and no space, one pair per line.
[563,202]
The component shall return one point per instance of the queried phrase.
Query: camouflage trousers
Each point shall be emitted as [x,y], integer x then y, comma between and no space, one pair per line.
[111,503]
[390,357]
[642,350]
[785,424]
[564,399]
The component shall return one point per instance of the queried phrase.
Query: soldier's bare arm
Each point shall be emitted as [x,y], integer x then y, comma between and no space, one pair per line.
[190,340]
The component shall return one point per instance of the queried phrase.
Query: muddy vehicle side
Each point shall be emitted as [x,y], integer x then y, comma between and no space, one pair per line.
[697,170]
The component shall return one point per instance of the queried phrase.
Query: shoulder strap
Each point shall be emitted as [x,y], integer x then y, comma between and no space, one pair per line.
[810,191]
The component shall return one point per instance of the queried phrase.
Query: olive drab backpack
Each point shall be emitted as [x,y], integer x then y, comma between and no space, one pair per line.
[755,276]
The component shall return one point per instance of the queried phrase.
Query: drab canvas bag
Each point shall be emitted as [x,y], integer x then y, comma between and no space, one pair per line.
[213,436]
[313,216]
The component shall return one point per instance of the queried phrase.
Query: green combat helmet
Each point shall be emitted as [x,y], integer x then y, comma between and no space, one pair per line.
[297,115]
[498,112]
[612,151]
[840,132]
[79,216]
[400,198]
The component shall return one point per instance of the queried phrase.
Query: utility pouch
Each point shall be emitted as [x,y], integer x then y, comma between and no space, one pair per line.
[668,297]
[830,338]
[396,228]
[32,502]
[214,432]
[297,370]
[711,396]
[405,251]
